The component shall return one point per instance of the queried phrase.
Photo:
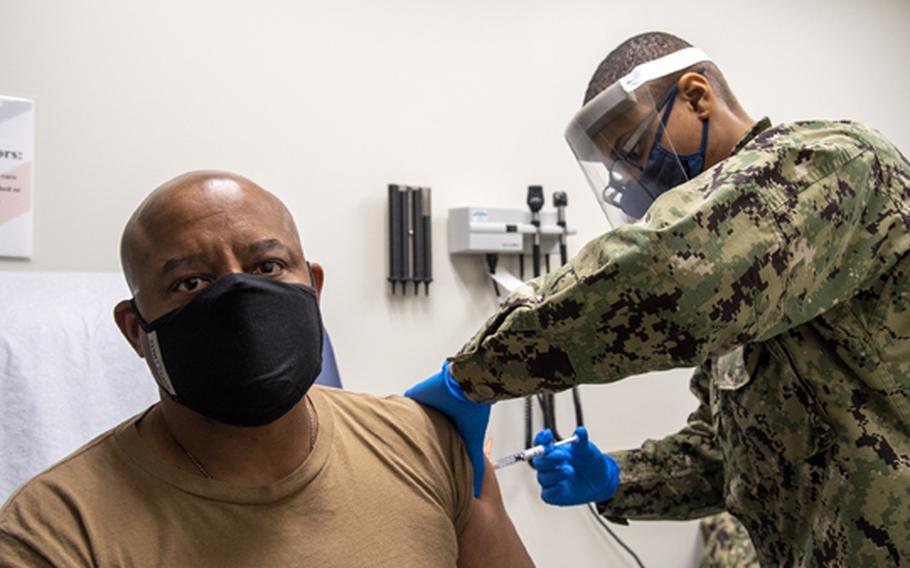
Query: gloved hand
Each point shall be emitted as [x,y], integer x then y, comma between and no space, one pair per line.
[471,418]
[576,473]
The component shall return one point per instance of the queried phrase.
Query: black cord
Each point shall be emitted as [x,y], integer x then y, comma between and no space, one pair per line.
[579,412]
[618,540]
[544,411]
[492,261]
[529,421]
[548,409]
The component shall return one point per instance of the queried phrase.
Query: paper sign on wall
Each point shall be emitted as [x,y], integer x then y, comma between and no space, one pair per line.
[17,147]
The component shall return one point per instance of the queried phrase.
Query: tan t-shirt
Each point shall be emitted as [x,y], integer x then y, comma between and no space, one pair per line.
[388,483]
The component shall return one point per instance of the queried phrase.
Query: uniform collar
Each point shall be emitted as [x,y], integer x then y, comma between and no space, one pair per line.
[762,124]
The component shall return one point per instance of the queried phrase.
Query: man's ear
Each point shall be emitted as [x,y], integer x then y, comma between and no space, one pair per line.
[698,94]
[129,325]
[318,277]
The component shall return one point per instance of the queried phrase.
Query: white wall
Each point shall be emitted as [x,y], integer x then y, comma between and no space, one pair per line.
[324,103]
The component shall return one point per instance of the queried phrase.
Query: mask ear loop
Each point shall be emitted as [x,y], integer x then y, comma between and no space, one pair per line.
[322,333]
[142,323]
[704,127]
[671,100]
[663,123]
[159,371]
[309,268]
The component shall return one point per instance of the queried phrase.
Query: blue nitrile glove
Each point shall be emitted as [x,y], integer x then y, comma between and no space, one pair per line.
[442,393]
[576,473]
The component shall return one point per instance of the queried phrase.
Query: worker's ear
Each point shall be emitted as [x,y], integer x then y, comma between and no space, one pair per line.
[128,323]
[318,278]
[698,94]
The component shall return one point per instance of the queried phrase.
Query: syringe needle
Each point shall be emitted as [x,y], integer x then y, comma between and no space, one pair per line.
[529,454]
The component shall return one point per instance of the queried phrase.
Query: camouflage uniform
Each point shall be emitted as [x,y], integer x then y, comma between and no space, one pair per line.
[782,274]
[726,543]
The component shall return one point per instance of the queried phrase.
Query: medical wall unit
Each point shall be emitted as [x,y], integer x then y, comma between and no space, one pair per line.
[491,233]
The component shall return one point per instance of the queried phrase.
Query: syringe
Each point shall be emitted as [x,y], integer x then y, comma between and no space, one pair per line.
[529,454]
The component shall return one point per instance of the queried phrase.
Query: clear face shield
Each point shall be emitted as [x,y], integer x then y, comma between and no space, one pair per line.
[613,134]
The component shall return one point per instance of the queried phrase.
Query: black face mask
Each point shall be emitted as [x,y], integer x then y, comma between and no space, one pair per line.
[243,351]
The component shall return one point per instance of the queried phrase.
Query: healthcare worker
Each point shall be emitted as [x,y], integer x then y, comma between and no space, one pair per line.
[771,257]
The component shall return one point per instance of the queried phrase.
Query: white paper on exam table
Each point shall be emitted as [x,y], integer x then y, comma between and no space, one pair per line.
[66,373]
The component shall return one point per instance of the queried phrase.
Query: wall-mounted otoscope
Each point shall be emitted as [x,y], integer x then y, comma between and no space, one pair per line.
[535,204]
[560,202]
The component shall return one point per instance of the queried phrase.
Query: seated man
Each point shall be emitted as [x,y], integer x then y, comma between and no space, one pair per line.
[242,463]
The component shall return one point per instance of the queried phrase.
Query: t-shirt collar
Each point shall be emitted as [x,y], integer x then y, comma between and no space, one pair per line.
[138,454]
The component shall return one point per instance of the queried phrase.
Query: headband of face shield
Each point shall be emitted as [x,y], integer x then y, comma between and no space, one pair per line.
[609,134]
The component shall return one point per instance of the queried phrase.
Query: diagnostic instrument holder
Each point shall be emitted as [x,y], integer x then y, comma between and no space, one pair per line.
[484,230]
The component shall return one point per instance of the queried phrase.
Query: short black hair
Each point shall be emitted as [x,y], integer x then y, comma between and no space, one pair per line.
[648,47]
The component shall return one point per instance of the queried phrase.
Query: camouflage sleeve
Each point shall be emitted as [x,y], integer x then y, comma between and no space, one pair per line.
[678,477]
[765,240]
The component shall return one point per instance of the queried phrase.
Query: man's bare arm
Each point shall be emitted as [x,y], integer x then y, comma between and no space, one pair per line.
[489,539]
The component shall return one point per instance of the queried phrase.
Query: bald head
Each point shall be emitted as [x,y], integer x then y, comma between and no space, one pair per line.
[196,229]
[189,207]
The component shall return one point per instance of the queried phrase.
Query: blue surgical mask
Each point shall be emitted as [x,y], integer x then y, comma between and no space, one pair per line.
[665,169]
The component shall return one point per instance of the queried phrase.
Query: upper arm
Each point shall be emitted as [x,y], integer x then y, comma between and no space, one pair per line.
[18,553]
[489,538]
[37,528]
[486,536]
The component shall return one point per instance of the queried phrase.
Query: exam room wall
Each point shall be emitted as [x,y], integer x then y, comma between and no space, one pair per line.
[325,103]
